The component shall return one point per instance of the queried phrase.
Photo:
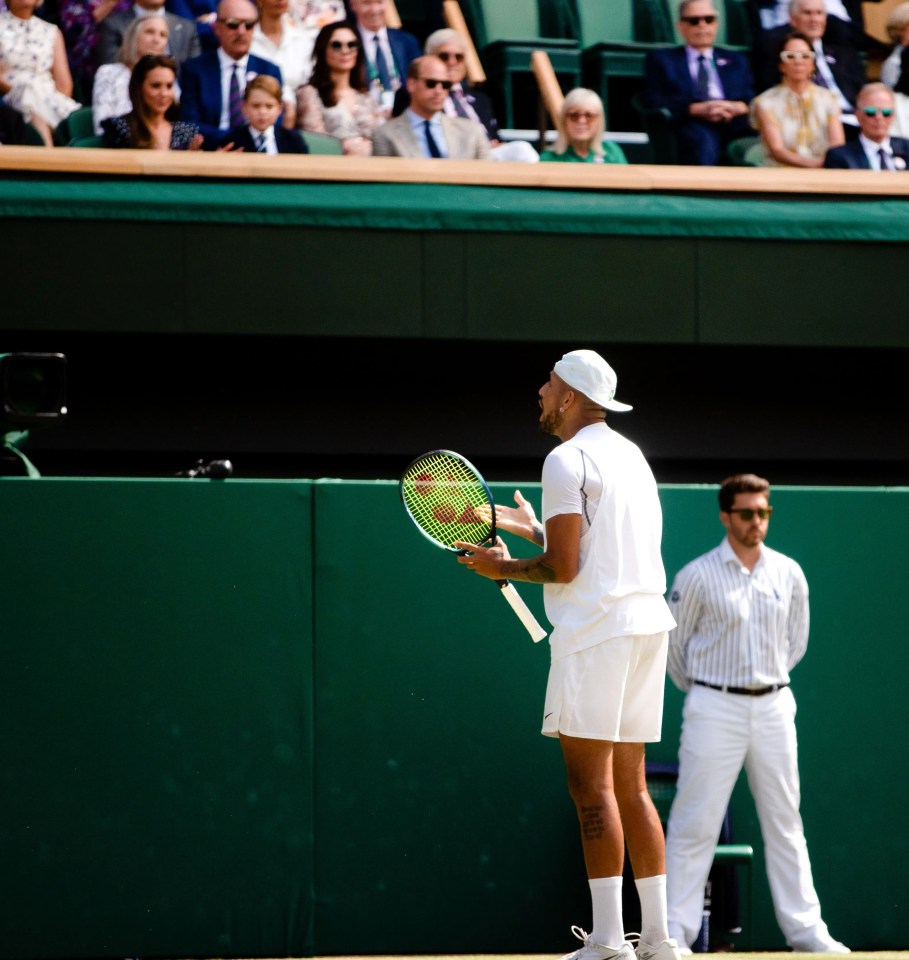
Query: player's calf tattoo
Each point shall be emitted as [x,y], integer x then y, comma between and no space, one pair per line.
[592,824]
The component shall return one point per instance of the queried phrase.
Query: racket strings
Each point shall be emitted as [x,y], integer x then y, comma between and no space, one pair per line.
[442,493]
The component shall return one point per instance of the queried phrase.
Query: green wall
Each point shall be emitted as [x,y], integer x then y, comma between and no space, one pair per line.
[267,718]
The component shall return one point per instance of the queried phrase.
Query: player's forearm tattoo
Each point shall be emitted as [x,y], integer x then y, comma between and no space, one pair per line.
[533,570]
[537,536]
[592,825]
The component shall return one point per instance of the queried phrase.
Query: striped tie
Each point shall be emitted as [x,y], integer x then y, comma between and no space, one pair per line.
[260,143]
[235,101]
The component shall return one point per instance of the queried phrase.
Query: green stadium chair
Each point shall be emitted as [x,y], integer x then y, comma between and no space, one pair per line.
[661,779]
[322,143]
[660,129]
[506,33]
[31,137]
[92,141]
[609,36]
[78,124]
[745,152]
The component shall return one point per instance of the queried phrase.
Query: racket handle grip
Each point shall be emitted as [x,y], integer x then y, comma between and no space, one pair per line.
[522,610]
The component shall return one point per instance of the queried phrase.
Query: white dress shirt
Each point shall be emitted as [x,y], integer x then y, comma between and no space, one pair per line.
[293,55]
[737,627]
[873,152]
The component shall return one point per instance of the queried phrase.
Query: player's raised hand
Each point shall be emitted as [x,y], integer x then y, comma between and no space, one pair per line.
[520,520]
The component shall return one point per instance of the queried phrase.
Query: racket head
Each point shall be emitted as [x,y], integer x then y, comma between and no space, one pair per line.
[440,491]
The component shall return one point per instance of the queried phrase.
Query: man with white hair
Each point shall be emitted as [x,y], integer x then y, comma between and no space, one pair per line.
[874,149]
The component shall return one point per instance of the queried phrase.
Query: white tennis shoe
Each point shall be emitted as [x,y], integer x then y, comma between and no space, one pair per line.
[598,951]
[667,950]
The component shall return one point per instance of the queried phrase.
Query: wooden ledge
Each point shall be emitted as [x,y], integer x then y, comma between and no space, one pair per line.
[62,161]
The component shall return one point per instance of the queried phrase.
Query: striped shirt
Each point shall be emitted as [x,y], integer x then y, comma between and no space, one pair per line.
[737,627]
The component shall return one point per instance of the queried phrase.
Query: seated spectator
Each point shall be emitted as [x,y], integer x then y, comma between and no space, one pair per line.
[182,38]
[838,65]
[34,73]
[278,39]
[80,21]
[312,15]
[213,83]
[874,149]
[389,52]
[798,120]
[110,92]
[845,21]
[466,101]
[580,125]
[152,123]
[900,126]
[707,89]
[423,130]
[262,106]
[898,31]
[337,101]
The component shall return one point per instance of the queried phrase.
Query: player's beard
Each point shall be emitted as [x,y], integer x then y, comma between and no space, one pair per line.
[551,422]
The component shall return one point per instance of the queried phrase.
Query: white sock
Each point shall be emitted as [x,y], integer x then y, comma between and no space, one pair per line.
[608,928]
[654,919]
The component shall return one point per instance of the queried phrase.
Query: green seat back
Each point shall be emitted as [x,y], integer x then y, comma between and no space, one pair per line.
[80,124]
[92,141]
[601,20]
[509,19]
[322,143]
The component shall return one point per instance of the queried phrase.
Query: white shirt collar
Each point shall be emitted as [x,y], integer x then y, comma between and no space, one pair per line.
[228,62]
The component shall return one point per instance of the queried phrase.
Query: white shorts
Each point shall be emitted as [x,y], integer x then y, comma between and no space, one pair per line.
[613,691]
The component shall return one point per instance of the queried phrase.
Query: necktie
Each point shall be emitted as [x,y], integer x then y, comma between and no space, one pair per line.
[457,96]
[382,67]
[703,80]
[234,100]
[260,143]
[430,141]
[885,160]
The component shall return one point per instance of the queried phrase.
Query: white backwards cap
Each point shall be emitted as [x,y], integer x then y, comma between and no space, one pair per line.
[588,373]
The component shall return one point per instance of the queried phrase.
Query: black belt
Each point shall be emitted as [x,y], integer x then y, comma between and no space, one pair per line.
[742,691]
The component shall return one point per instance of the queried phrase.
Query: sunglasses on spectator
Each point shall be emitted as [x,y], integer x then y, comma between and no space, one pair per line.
[788,55]
[344,44]
[580,115]
[874,111]
[746,513]
[445,57]
[432,83]
[236,24]
[694,21]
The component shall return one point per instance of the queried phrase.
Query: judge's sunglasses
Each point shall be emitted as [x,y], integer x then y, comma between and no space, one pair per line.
[694,21]
[874,111]
[746,513]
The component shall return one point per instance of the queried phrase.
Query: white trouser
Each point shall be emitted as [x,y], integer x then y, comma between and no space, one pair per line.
[720,733]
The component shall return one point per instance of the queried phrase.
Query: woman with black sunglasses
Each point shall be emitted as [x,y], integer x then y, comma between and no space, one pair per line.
[336,100]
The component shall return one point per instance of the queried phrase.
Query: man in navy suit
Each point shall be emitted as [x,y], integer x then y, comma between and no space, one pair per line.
[212,84]
[388,52]
[706,89]
[874,148]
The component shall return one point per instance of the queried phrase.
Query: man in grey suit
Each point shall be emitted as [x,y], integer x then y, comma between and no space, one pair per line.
[183,42]
[423,130]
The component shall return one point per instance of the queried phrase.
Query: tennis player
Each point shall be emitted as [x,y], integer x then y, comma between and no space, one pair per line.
[603,583]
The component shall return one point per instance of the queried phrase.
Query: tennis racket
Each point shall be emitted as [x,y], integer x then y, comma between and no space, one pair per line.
[441,492]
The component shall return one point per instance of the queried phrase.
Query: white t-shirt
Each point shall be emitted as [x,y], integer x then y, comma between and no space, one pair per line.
[619,588]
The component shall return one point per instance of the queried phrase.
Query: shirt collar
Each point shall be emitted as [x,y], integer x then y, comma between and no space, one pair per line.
[728,555]
[228,62]
[871,147]
[694,54]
